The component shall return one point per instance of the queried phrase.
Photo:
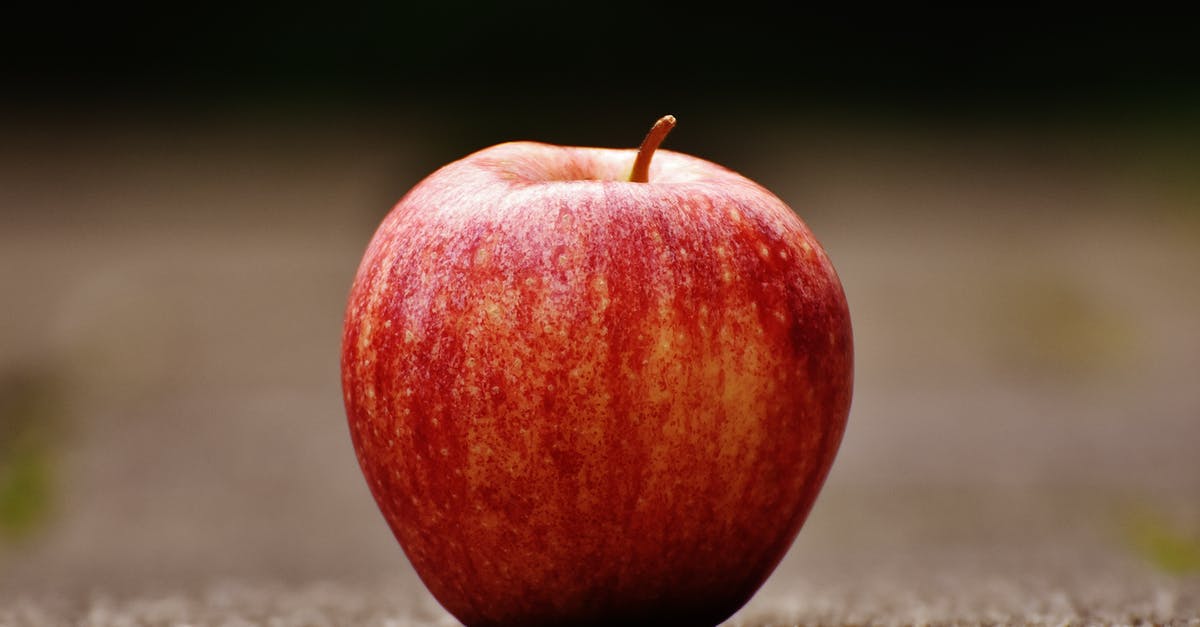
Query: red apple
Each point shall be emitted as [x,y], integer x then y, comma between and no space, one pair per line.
[581,395]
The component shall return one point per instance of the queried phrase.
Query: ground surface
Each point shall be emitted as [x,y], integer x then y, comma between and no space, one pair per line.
[1022,447]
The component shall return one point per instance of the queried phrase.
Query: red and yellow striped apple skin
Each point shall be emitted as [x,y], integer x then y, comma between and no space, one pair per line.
[581,399]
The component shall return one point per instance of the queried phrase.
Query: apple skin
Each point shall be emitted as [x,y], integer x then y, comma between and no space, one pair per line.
[578,399]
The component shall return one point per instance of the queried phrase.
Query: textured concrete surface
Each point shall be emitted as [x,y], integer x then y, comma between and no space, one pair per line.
[1022,447]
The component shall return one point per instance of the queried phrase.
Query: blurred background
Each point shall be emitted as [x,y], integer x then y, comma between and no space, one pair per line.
[1012,200]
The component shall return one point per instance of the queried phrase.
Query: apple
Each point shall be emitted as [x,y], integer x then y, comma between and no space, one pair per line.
[593,385]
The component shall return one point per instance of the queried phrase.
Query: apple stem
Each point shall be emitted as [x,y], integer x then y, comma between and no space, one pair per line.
[641,165]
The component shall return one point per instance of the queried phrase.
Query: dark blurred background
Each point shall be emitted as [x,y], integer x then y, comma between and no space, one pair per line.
[507,70]
[1011,198]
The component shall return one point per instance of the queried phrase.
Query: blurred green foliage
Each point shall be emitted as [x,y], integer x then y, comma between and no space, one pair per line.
[29,423]
[1053,326]
[1168,544]
[25,485]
